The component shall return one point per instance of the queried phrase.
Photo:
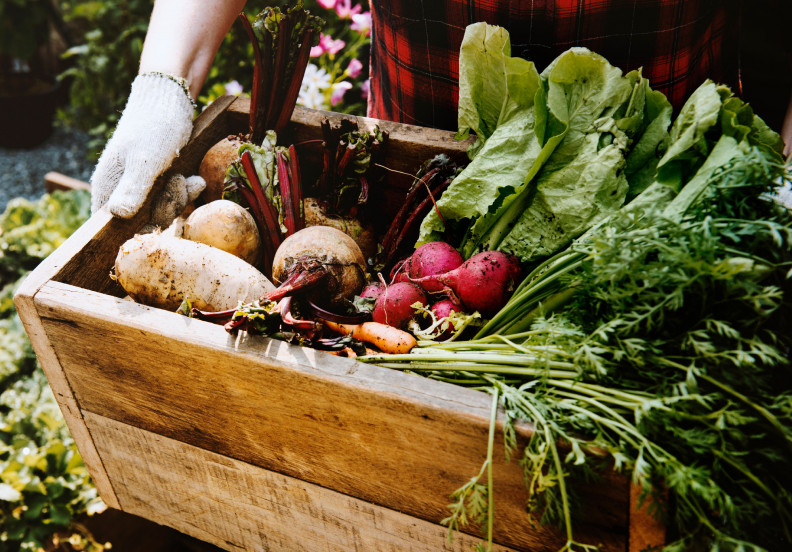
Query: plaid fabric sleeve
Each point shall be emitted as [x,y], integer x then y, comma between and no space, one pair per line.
[415,45]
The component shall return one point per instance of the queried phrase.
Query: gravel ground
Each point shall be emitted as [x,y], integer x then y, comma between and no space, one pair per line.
[22,170]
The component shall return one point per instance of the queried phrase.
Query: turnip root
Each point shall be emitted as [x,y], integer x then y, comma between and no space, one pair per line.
[227,226]
[433,258]
[214,165]
[483,283]
[394,306]
[324,258]
[316,215]
[162,271]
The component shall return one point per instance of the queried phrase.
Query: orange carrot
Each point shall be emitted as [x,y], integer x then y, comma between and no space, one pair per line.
[386,338]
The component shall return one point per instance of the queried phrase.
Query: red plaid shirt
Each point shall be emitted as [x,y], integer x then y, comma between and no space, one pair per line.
[415,45]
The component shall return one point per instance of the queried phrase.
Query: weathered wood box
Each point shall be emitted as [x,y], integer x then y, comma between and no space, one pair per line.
[254,444]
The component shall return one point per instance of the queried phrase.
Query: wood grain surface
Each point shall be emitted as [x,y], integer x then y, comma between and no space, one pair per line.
[237,506]
[394,439]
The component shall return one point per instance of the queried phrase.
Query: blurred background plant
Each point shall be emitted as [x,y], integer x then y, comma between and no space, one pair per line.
[45,488]
[103,63]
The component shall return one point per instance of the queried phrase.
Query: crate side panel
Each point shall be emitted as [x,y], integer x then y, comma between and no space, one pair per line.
[62,391]
[237,506]
[402,441]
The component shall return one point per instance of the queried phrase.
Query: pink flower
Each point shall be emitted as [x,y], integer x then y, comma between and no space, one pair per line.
[339,89]
[345,10]
[327,4]
[365,88]
[361,22]
[329,45]
[354,68]
[316,51]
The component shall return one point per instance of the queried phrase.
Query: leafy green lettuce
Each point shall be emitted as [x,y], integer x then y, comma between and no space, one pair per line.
[552,159]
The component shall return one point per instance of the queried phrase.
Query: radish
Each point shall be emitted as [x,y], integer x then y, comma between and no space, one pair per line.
[443,309]
[433,258]
[373,290]
[483,283]
[400,271]
[394,306]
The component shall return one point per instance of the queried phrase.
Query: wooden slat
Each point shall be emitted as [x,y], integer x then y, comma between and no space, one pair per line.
[646,530]
[56,181]
[237,506]
[399,440]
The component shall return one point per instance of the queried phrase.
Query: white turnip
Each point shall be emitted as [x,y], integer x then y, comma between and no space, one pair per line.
[162,271]
[227,226]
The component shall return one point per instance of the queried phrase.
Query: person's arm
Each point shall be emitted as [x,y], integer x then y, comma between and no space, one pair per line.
[180,46]
[184,35]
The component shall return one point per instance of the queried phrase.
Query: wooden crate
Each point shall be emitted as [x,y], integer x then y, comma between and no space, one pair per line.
[254,444]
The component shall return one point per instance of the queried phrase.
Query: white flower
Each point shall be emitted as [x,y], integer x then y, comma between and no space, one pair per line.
[314,83]
[9,493]
[315,77]
[233,88]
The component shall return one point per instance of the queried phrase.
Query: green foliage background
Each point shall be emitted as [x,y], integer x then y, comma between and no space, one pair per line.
[44,485]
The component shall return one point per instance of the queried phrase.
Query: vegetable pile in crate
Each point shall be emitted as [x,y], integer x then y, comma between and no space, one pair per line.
[605,285]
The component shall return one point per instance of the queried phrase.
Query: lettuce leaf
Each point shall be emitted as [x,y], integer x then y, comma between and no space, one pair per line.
[509,142]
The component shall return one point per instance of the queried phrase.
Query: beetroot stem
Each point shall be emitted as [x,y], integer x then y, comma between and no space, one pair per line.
[259,94]
[281,61]
[292,91]
[296,186]
[270,227]
[289,320]
[398,221]
[287,199]
[297,281]
[420,212]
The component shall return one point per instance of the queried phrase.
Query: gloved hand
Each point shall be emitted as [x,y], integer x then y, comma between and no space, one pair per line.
[155,125]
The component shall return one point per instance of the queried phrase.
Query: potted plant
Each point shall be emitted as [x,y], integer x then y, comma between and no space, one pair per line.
[28,87]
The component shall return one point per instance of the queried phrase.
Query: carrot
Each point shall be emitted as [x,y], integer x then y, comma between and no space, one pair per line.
[386,338]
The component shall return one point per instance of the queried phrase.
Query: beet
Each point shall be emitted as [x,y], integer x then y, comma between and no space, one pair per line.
[434,258]
[483,283]
[319,255]
[394,308]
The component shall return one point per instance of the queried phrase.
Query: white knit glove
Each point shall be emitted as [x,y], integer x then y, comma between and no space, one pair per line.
[155,125]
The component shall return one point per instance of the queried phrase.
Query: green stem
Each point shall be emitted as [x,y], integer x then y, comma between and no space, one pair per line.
[490,449]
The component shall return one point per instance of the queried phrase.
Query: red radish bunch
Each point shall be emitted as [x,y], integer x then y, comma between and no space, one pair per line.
[482,283]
